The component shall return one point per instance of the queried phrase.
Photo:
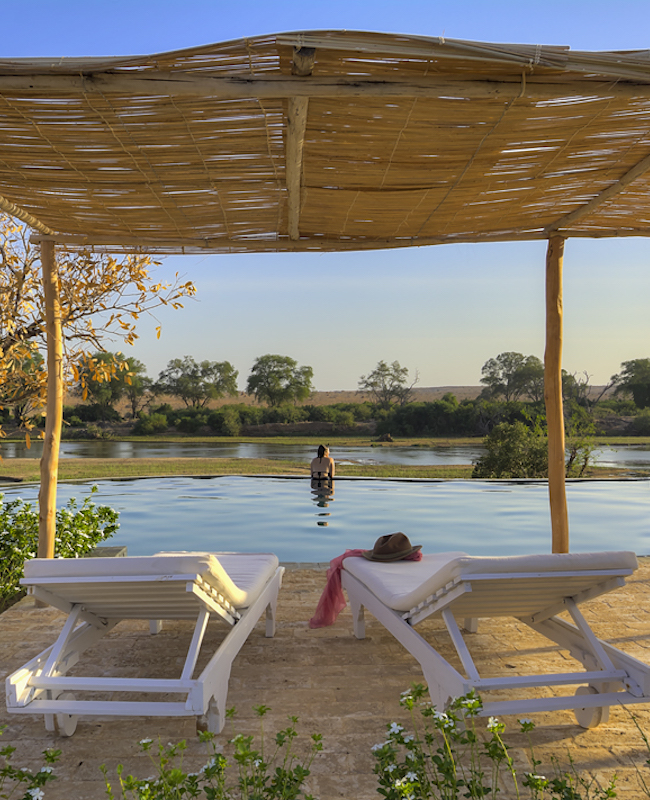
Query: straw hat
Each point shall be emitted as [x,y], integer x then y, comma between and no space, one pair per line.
[392,547]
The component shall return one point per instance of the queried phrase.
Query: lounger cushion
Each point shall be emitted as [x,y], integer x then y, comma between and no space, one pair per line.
[402,585]
[240,576]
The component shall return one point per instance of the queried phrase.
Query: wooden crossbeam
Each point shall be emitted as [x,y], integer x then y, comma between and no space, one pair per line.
[24,216]
[564,223]
[181,84]
[192,245]
[303,64]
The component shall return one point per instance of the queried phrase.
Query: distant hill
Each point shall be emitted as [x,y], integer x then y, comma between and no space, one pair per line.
[421,394]
[424,394]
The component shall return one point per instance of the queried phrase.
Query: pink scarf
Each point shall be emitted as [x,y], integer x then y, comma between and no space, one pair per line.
[332,601]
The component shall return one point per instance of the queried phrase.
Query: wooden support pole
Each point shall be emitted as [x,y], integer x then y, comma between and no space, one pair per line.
[553,396]
[54,408]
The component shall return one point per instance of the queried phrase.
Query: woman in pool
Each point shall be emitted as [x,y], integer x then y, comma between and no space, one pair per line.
[322,467]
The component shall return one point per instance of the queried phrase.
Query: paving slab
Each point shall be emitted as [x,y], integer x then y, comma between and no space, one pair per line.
[345,689]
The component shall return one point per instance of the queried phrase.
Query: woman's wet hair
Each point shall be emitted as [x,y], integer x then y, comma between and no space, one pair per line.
[321,450]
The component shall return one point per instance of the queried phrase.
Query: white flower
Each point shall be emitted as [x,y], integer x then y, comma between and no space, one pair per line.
[46,769]
[408,738]
[391,768]
[257,762]
[493,724]
[35,793]
[146,741]
[411,776]
[378,746]
[395,728]
[438,715]
[534,777]
[410,755]
[525,721]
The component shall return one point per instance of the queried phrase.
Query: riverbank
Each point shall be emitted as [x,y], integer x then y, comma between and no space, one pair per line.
[13,470]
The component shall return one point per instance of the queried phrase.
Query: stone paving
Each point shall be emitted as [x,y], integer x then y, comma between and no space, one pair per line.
[345,689]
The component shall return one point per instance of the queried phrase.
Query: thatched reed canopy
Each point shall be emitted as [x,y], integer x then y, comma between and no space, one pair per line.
[327,141]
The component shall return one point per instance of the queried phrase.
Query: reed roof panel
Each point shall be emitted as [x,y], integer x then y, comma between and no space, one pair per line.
[327,140]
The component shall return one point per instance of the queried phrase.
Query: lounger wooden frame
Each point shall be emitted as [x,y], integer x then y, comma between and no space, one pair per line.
[610,677]
[42,686]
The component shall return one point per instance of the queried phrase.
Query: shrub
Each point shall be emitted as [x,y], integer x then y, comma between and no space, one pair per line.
[23,779]
[191,423]
[93,412]
[249,415]
[640,425]
[225,421]
[270,773]
[285,414]
[163,408]
[344,420]
[446,757]
[78,530]
[149,424]
[513,451]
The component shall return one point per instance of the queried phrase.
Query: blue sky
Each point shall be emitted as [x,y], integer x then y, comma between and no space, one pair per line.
[440,310]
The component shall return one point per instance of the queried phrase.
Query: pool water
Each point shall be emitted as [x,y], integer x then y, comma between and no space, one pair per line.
[284,516]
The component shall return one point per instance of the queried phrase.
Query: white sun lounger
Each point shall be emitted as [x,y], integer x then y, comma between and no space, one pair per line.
[97,593]
[534,589]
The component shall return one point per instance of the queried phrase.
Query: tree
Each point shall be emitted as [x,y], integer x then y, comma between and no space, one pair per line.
[102,378]
[635,380]
[197,382]
[514,450]
[22,383]
[513,375]
[107,377]
[101,297]
[138,388]
[577,391]
[388,384]
[278,379]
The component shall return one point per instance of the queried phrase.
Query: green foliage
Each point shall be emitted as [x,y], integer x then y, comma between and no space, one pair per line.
[623,406]
[285,413]
[138,388]
[197,383]
[21,782]
[78,530]
[91,412]
[388,384]
[437,418]
[580,445]
[272,772]
[18,387]
[445,756]
[640,425]
[634,379]
[102,377]
[149,424]
[514,450]
[225,421]
[513,375]
[278,379]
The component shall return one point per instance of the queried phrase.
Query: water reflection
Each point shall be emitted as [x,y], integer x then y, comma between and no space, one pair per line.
[322,492]
[630,456]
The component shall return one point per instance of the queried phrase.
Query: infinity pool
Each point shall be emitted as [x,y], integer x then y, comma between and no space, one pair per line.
[285,517]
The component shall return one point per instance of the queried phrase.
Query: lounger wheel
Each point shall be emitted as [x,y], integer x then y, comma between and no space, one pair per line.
[590,717]
[66,724]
